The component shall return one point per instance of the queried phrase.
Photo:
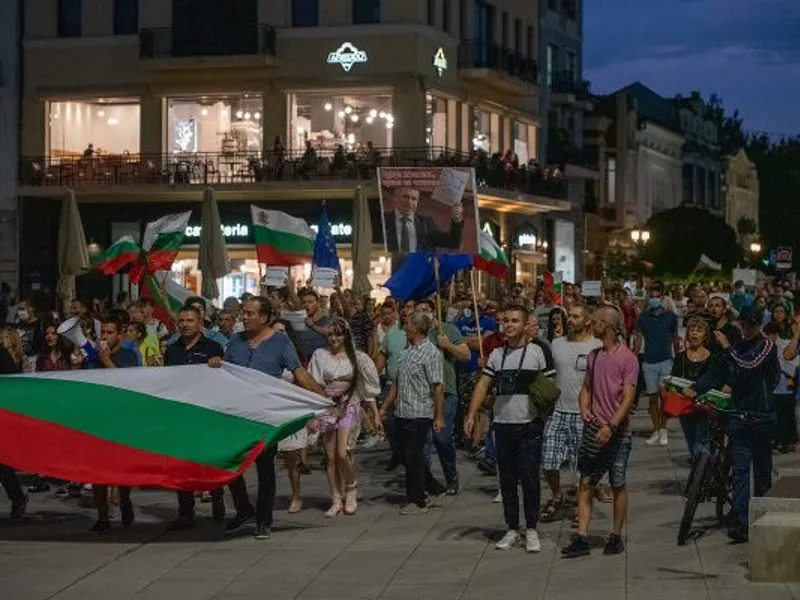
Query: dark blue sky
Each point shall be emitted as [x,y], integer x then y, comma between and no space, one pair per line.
[747,51]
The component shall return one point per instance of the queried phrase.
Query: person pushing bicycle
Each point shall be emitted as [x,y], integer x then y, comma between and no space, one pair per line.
[751,368]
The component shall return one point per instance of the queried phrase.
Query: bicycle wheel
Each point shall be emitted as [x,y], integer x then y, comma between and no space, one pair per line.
[724,491]
[694,495]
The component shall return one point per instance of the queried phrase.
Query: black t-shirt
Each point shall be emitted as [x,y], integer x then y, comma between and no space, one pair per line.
[731,331]
[7,364]
[124,358]
[689,369]
[199,354]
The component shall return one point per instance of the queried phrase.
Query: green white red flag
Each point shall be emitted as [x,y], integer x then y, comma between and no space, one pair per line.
[168,296]
[554,287]
[125,251]
[492,259]
[281,240]
[163,239]
[183,428]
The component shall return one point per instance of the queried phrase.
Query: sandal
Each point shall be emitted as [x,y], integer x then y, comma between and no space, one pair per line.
[295,507]
[551,511]
[350,500]
[335,510]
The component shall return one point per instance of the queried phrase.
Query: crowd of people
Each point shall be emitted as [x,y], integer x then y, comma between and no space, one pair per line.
[526,382]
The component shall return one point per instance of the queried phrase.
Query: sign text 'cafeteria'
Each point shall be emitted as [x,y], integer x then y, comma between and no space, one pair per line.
[239,230]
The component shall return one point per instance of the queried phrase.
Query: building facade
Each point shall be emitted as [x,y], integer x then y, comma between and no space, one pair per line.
[9,138]
[166,98]
[741,195]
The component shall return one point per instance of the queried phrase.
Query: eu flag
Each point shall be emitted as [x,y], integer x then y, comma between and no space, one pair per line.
[325,255]
[416,280]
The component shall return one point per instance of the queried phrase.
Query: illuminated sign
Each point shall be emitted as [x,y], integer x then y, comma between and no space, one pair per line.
[338,229]
[239,230]
[526,239]
[440,61]
[347,55]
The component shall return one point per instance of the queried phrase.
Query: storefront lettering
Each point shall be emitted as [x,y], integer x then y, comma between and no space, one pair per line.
[239,230]
[440,61]
[347,55]
[338,229]
[526,239]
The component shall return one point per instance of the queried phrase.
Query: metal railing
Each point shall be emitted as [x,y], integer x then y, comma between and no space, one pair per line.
[478,54]
[245,39]
[568,82]
[186,169]
[562,155]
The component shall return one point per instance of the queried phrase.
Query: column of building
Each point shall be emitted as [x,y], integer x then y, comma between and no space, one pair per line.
[9,107]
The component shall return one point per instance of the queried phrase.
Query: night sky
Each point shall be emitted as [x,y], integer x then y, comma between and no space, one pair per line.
[747,51]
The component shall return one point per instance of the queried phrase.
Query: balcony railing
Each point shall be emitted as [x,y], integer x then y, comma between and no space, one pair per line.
[246,39]
[562,155]
[265,167]
[477,54]
[568,82]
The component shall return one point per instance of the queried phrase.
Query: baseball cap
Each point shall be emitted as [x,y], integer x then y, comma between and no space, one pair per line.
[751,315]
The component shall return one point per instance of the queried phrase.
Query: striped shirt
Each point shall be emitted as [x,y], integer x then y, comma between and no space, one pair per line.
[419,368]
[513,371]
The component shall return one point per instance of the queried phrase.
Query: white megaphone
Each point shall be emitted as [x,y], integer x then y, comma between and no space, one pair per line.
[71,329]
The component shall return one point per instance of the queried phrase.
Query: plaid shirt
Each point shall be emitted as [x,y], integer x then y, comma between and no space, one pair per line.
[419,368]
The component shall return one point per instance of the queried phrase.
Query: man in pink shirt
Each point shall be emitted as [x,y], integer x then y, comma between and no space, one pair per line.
[606,399]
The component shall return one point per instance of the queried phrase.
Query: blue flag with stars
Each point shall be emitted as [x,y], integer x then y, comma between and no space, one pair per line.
[325,255]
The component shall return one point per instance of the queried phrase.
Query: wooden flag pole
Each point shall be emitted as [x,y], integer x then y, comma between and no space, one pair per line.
[438,293]
[477,314]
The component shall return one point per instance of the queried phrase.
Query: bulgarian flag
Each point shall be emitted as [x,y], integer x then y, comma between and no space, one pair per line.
[125,251]
[554,287]
[282,240]
[183,428]
[491,259]
[162,241]
[167,295]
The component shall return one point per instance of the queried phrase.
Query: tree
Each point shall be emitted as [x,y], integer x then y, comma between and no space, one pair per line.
[679,237]
[746,227]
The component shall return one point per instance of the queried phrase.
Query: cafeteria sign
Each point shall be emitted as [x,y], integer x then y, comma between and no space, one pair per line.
[347,55]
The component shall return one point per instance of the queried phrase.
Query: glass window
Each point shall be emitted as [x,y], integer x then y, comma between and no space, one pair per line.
[102,126]
[305,13]
[551,63]
[366,12]
[126,17]
[572,64]
[521,142]
[70,18]
[611,180]
[432,13]
[436,123]
[351,121]
[483,136]
[214,124]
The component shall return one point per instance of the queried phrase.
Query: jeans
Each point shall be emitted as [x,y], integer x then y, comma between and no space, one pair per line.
[751,444]
[697,431]
[186,502]
[445,441]
[519,456]
[100,493]
[787,426]
[265,500]
[412,436]
[12,486]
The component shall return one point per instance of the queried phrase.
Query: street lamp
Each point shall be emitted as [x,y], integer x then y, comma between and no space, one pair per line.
[755,248]
[639,235]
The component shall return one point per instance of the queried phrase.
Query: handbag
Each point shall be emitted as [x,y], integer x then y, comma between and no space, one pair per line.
[544,394]
[676,404]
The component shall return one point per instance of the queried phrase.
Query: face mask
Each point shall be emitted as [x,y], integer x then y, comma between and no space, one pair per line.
[654,304]
[23,315]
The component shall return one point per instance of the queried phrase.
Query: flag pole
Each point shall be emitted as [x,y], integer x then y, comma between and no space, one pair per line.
[438,293]
[474,286]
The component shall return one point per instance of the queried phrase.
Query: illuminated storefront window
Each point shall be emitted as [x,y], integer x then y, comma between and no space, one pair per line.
[110,125]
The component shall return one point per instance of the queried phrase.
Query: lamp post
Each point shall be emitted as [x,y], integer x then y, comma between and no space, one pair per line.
[755,248]
[640,236]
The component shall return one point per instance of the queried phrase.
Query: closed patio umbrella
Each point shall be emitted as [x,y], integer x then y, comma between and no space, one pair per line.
[362,243]
[213,257]
[73,255]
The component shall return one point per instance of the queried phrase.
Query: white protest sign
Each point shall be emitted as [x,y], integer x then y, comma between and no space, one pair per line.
[592,289]
[451,186]
[747,276]
[325,277]
[277,276]
[296,318]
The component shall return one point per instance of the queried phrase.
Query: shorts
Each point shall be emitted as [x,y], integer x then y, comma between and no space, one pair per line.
[333,419]
[611,458]
[654,373]
[562,438]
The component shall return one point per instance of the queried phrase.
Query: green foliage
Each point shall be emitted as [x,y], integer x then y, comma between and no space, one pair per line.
[746,227]
[679,237]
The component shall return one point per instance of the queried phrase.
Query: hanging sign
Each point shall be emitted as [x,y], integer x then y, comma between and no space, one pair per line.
[347,55]
[440,61]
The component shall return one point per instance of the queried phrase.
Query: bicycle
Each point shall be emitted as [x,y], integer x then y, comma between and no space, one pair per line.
[710,478]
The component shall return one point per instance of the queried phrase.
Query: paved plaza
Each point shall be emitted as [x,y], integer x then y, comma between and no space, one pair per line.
[447,554]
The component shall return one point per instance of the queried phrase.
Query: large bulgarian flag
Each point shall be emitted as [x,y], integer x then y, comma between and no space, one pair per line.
[554,287]
[163,239]
[492,259]
[282,240]
[125,251]
[183,428]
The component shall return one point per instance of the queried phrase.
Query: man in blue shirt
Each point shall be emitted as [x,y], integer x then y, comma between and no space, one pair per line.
[658,329]
[264,349]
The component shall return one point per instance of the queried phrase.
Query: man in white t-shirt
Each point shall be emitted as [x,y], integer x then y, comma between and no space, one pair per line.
[517,426]
[562,434]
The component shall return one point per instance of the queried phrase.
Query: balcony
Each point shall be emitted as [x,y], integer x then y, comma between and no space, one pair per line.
[495,64]
[257,170]
[567,88]
[248,42]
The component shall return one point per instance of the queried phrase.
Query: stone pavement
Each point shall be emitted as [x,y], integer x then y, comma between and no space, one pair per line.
[445,555]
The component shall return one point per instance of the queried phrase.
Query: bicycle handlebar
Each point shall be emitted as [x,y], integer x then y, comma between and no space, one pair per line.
[741,415]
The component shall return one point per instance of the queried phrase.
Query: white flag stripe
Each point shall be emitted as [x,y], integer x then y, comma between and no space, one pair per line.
[166,224]
[280,221]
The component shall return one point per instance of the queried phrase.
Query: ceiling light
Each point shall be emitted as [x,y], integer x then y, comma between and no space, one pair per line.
[113,121]
[382,115]
[257,116]
[373,113]
[348,110]
[341,114]
[204,112]
[300,130]
[101,113]
[351,138]
[328,106]
[389,124]
[390,117]
[247,116]
[370,120]
[239,114]
[354,118]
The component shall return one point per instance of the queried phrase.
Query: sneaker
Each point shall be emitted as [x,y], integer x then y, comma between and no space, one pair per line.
[509,540]
[262,532]
[205,497]
[654,439]
[532,543]
[498,498]
[18,511]
[181,523]
[410,510]
[453,488]
[372,441]
[432,500]
[126,512]
[663,438]
[738,534]
[218,510]
[240,520]
[614,545]
[577,548]
[100,526]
